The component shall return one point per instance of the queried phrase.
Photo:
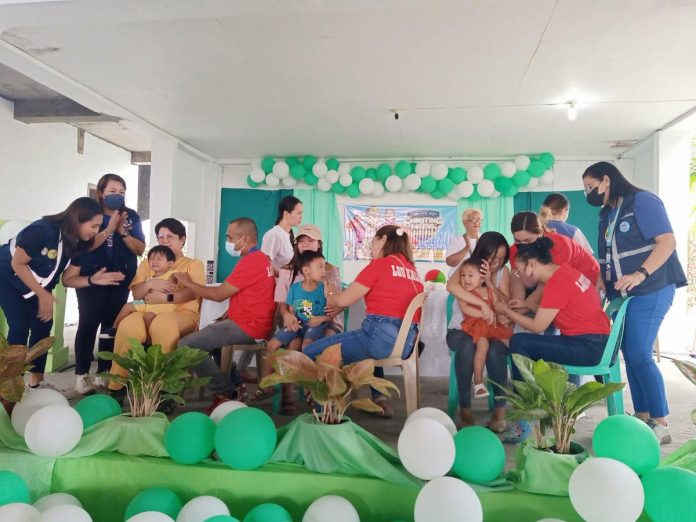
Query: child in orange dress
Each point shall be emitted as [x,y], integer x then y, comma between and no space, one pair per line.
[480,331]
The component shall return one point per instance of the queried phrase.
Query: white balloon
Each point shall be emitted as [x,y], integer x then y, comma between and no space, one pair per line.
[602,489]
[439,171]
[508,169]
[150,516]
[53,431]
[433,414]
[465,189]
[323,185]
[11,229]
[412,181]
[331,507]
[522,162]
[422,168]
[33,401]
[426,449]
[65,513]
[19,512]
[345,180]
[366,186]
[332,176]
[289,181]
[474,174]
[533,183]
[202,508]
[56,499]
[453,195]
[257,175]
[495,194]
[320,169]
[344,168]
[485,188]
[393,183]
[403,187]
[379,189]
[447,499]
[272,180]
[224,408]
[547,177]
[281,169]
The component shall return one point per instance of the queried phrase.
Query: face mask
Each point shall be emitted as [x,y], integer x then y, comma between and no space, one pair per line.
[114,201]
[230,248]
[594,198]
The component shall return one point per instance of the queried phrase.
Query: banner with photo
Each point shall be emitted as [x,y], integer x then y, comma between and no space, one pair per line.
[429,227]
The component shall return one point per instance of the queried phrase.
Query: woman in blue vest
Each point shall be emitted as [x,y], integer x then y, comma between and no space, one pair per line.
[116,247]
[31,264]
[638,258]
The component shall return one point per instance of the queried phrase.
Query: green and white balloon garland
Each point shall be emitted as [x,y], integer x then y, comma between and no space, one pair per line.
[434,178]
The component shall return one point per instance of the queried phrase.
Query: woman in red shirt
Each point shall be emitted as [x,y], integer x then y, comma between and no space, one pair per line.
[569,300]
[388,284]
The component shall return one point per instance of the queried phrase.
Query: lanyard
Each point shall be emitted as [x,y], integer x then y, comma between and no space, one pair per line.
[609,237]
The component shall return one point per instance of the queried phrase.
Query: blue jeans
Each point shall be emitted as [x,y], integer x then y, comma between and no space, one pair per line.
[22,321]
[643,319]
[576,350]
[305,332]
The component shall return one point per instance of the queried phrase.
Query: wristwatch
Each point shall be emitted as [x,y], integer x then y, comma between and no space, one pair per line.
[125,234]
[643,271]
[170,298]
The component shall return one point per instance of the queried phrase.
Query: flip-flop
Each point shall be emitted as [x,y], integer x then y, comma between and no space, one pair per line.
[261,395]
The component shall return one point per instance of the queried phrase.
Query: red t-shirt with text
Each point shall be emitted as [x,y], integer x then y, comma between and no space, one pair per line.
[393,282]
[579,308]
[253,307]
[565,251]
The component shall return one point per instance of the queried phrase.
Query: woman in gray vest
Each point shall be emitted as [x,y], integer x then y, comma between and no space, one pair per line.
[637,255]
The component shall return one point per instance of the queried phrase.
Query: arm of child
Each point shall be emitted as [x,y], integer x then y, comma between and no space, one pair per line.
[538,324]
[316,320]
[294,324]
[467,300]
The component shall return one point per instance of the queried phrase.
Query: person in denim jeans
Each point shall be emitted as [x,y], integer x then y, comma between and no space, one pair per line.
[388,284]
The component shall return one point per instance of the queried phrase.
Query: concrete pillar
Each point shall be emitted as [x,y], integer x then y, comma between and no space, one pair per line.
[161,181]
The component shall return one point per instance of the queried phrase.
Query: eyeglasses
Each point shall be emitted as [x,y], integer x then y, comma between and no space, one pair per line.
[517,272]
[168,237]
[474,220]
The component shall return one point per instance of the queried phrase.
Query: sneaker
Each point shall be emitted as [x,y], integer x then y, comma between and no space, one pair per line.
[661,432]
[42,385]
[108,333]
[100,382]
[84,384]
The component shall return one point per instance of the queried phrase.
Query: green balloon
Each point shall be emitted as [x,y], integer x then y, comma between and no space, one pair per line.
[189,438]
[479,455]
[358,173]
[437,194]
[353,190]
[12,488]
[251,182]
[457,175]
[547,159]
[670,494]
[445,185]
[311,179]
[413,167]
[162,500]
[521,178]
[292,160]
[402,169]
[428,184]
[510,192]
[383,171]
[222,518]
[268,513]
[628,440]
[309,161]
[491,171]
[502,184]
[475,196]
[337,188]
[332,164]
[536,169]
[245,438]
[371,173]
[96,408]
[298,171]
[267,164]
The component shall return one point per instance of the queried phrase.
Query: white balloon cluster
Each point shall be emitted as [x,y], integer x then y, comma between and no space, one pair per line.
[58,507]
[331,507]
[201,508]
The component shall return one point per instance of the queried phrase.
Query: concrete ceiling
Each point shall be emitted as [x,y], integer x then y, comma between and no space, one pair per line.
[470,78]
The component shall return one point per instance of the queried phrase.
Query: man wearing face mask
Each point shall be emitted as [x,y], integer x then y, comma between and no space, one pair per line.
[116,247]
[250,288]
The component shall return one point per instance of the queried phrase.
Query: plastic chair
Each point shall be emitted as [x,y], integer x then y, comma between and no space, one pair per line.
[609,366]
[408,366]
[453,394]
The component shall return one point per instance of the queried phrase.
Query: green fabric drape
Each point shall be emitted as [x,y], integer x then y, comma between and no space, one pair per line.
[320,208]
[497,214]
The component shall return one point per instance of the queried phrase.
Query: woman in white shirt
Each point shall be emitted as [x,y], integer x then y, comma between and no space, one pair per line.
[461,247]
[277,242]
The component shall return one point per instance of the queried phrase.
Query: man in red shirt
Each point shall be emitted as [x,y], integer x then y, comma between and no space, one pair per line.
[250,288]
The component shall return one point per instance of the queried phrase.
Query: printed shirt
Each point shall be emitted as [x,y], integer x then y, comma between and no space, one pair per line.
[306,304]
[253,307]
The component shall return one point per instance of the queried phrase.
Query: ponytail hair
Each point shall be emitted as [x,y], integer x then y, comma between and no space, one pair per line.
[78,212]
[553,204]
[287,204]
[397,242]
[539,250]
[529,222]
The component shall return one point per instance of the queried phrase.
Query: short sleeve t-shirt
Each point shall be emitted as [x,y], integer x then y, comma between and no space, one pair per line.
[393,282]
[193,267]
[305,303]
[253,307]
[277,246]
[576,299]
[456,244]
[651,215]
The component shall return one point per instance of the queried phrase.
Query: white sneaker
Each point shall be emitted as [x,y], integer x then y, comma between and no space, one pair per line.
[100,382]
[661,432]
[84,385]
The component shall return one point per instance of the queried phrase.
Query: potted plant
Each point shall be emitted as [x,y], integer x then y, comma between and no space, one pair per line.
[15,361]
[547,400]
[326,441]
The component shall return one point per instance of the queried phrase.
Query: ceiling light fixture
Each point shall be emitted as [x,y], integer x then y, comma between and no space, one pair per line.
[572,110]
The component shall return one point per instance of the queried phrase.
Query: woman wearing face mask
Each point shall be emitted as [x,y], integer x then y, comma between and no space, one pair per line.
[637,250]
[116,247]
[31,264]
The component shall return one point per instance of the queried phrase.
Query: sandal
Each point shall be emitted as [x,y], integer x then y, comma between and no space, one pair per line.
[262,394]
[480,391]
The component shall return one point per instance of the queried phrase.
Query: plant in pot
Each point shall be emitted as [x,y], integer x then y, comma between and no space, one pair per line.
[326,441]
[547,400]
[15,361]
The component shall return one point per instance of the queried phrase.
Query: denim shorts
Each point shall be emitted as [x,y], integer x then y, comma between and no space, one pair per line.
[305,332]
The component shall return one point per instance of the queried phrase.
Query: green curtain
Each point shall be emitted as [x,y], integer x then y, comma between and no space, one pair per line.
[320,208]
[497,214]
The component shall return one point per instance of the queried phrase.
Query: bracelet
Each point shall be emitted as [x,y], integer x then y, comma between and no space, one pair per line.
[643,271]
[89,280]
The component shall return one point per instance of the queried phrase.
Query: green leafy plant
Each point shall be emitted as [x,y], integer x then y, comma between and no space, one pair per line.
[688,368]
[154,376]
[15,360]
[548,400]
[330,383]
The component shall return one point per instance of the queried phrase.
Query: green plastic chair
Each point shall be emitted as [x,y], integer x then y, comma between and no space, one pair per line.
[609,367]
[453,394]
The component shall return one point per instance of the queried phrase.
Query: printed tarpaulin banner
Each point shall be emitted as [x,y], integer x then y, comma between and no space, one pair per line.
[430,229]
